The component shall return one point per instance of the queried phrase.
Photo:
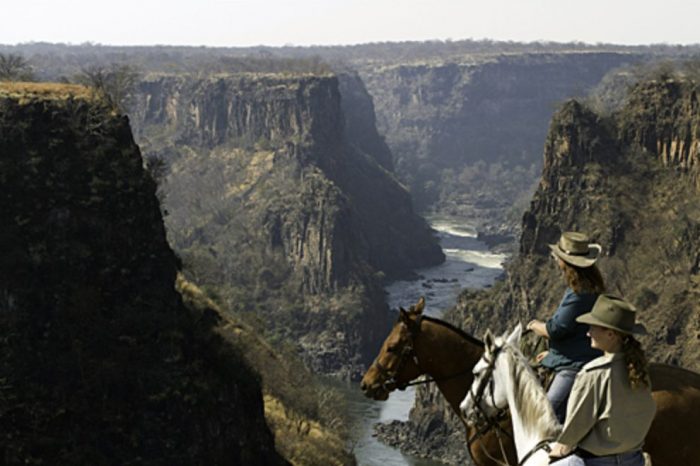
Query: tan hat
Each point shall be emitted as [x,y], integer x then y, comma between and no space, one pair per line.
[576,249]
[612,312]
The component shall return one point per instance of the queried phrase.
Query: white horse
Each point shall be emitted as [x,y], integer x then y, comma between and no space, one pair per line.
[504,380]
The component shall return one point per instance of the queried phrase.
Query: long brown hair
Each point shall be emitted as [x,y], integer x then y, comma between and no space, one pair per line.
[583,280]
[636,362]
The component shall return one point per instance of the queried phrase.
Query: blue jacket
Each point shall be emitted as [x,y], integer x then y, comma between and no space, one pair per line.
[569,347]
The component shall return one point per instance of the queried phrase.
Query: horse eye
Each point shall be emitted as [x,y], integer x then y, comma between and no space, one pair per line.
[391,349]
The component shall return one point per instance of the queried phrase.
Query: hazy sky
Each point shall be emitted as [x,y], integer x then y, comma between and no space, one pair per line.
[306,22]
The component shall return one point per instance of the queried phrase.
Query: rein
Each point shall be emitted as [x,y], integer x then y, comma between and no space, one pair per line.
[541,445]
[490,422]
[439,379]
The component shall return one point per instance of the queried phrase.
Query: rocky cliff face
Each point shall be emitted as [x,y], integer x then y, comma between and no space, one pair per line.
[100,360]
[630,181]
[273,201]
[467,134]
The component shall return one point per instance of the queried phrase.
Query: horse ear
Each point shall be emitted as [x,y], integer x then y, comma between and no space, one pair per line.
[514,337]
[488,340]
[403,316]
[420,305]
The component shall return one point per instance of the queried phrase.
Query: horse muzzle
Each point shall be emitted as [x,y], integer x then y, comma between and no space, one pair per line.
[376,391]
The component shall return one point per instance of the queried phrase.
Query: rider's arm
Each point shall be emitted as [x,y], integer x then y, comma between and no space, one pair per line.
[582,409]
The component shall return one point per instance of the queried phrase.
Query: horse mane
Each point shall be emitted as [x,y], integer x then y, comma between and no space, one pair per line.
[457,330]
[533,406]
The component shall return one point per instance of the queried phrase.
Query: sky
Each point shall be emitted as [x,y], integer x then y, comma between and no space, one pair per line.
[238,23]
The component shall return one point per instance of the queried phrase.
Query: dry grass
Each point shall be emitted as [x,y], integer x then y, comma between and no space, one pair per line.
[302,441]
[45,91]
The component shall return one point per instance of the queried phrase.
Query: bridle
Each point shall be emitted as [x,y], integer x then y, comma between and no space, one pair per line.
[488,422]
[388,376]
[487,380]
[483,422]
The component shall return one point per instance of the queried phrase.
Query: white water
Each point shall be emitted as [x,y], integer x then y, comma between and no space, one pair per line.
[468,264]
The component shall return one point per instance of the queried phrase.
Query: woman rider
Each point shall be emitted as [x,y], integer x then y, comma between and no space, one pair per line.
[611,408]
[569,346]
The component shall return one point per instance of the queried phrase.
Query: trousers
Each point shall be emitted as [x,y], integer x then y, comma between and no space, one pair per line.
[559,390]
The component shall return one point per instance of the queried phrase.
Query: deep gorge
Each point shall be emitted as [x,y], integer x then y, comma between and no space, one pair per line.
[291,197]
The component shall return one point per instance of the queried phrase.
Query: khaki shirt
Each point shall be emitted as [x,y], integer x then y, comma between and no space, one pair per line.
[604,415]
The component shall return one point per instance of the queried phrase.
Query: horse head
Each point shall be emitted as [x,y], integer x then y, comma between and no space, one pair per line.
[487,396]
[396,364]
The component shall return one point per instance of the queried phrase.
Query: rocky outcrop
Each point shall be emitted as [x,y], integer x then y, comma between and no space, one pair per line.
[361,120]
[240,110]
[663,117]
[283,207]
[101,361]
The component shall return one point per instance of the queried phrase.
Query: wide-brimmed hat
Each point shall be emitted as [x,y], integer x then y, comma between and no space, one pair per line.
[612,312]
[576,249]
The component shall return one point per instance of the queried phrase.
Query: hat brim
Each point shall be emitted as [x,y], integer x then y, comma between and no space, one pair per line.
[582,261]
[590,319]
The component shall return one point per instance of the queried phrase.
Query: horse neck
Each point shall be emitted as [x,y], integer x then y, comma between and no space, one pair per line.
[530,411]
[447,356]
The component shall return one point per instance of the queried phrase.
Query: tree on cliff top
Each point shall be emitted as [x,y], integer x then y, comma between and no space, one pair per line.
[115,83]
[15,68]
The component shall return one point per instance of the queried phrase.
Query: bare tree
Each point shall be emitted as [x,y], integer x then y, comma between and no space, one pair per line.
[115,83]
[15,68]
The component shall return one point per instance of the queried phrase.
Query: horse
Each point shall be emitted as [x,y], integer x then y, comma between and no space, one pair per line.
[512,386]
[419,345]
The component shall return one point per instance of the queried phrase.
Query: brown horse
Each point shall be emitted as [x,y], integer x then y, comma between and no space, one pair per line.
[420,345]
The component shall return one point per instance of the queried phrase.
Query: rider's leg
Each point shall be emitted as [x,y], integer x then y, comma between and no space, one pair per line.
[559,391]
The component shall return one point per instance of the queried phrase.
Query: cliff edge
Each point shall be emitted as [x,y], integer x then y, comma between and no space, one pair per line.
[100,361]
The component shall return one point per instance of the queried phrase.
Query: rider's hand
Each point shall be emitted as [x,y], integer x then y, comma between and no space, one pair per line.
[531,325]
[559,450]
[541,356]
[538,327]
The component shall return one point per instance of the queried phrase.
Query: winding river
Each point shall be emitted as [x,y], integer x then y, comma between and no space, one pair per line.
[468,264]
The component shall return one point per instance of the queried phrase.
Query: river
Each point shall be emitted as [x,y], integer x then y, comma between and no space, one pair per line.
[468,264]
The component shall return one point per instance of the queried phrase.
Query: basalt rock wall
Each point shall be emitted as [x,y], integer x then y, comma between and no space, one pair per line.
[281,188]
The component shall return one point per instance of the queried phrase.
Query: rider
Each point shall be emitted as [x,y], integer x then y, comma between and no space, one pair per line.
[569,347]
[610,409]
